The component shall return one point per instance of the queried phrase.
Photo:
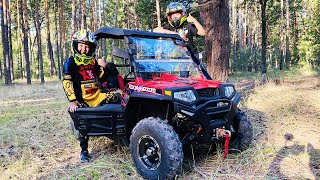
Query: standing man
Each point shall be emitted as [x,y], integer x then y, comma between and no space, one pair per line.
[179,23]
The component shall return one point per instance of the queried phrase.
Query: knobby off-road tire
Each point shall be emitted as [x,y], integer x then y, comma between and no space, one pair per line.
[243,129]
[156,149]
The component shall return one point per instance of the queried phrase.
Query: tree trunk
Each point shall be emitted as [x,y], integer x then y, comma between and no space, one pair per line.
[84,25]
[250,50]
[104,14]
[19,53]
[135,16]
[287,35]
[245,25]
[158,12]
[103,21]
[128,14]
[1,76]
[99,8]
[57,37]
[115,24]
[250,22]
[281,37]
[10,60]
[30,47]
[116,14]
[39,43]
[19,37]
[80,14]
[234,32]
[25,30]
[296,58]
[256,41]
[94,15]
[90,12]
[240,16]
[5,44]
[7,41]
[52,66]
[62,32]
[10,42]
[73,18]
[215,15]
[1,14]
[264,36]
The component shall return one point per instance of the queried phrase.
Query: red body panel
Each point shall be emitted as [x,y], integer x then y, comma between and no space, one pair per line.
[167,81]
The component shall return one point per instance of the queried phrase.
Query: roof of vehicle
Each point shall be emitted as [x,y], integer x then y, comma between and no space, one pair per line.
[117,33]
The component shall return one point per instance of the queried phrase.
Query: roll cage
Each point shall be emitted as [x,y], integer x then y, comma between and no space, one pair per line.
[117,33]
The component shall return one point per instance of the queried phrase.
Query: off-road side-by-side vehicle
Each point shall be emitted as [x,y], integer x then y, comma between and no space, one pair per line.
[169,100]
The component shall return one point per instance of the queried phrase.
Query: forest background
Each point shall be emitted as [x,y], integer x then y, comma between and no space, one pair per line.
[262,36]
[278,38]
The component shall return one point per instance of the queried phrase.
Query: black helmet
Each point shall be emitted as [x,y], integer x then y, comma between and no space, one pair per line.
[85,37]
[175,7]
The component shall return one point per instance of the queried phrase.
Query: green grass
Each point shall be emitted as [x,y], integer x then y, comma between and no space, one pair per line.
[295,73]
[36,142]
[16,111]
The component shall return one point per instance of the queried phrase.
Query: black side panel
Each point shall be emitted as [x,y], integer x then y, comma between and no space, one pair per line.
[148,96]
[105,120]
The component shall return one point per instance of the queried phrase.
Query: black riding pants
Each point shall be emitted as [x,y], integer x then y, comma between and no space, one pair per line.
[84,143]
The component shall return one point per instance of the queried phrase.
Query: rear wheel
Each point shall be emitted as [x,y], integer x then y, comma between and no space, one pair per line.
[156,149]
[243,131]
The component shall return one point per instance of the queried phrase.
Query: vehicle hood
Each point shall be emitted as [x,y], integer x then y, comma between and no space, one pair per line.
[169,81]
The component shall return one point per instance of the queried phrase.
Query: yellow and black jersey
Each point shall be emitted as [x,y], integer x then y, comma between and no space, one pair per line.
[82,81]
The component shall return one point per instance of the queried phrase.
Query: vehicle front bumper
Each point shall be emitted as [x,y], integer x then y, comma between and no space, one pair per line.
[212,114]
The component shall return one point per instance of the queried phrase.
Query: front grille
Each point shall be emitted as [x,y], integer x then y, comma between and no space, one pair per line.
[208,92]
[218,106]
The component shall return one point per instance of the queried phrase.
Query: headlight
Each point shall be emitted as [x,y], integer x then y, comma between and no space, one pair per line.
[187,96]
[228,91]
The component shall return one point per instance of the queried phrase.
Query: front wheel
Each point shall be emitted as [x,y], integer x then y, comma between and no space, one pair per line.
[156,149]
[243,131]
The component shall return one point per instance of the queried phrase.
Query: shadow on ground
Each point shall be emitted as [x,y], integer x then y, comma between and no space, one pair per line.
[275,170]
[314,160]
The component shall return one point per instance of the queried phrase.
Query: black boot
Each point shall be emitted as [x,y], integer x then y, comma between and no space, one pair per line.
[84,156]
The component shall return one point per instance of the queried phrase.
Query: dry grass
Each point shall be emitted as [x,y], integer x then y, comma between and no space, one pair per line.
[36,142]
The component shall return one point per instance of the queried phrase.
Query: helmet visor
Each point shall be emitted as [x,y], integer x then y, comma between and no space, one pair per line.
[174,12]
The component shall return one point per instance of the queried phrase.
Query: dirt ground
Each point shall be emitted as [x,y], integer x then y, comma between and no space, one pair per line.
[286,120]
[36,141]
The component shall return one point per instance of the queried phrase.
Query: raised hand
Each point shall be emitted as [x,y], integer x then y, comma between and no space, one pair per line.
[191,19]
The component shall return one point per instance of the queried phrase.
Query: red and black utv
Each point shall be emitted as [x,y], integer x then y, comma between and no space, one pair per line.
[169,100]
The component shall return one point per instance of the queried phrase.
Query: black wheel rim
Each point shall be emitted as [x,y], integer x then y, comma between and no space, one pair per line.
[149,152]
